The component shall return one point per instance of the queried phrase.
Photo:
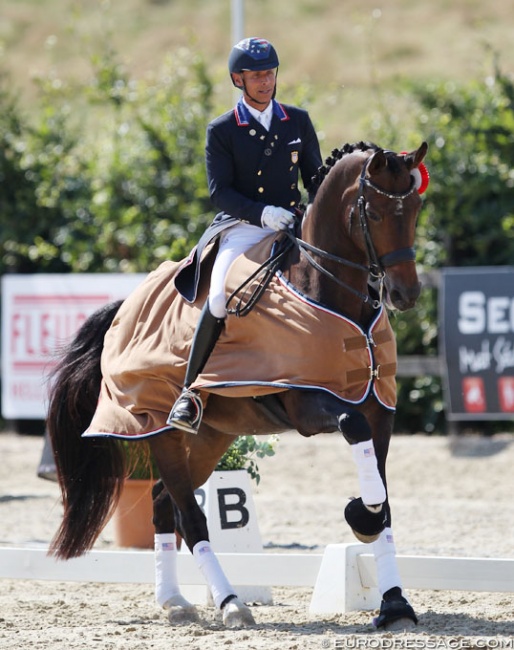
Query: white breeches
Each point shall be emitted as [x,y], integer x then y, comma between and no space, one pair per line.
[233,241]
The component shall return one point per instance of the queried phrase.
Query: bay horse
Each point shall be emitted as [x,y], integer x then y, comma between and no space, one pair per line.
[353,257]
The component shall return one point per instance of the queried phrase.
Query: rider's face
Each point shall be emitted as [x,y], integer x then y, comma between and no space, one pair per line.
[257,85]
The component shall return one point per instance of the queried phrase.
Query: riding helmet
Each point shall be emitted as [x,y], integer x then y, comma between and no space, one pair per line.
[252,54]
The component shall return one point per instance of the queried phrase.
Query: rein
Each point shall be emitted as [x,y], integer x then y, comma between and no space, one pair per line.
[268,269]
[304,247]
[271,265]
[376,268]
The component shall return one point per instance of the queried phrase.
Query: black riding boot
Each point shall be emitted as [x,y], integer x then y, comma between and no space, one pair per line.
[187,411]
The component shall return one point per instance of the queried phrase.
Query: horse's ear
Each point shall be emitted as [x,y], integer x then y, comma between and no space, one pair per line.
[377,162]
[413,158]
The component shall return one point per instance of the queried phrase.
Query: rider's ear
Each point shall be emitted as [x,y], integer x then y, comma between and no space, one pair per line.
[237,79]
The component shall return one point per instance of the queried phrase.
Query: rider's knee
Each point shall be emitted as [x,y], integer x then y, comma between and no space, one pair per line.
[217,305]
[355,427]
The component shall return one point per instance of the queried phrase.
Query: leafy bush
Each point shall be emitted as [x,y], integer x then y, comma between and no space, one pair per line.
[116,183]
[139,461]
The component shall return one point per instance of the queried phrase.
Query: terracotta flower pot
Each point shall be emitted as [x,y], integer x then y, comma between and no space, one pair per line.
[133,517]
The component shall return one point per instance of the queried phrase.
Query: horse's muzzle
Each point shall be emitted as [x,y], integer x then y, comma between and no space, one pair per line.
[402,297]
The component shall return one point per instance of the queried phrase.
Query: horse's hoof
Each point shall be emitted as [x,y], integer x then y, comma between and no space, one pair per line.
[237,614]
[365,524]
[400,625]
[180,611]
[365,539]
[396,613]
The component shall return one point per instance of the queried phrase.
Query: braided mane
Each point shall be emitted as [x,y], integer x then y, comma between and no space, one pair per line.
[336,155]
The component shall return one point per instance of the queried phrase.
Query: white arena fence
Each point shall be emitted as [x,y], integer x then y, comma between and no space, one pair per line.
[343,578]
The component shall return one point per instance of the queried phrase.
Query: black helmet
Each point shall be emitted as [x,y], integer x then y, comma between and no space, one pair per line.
[252,54]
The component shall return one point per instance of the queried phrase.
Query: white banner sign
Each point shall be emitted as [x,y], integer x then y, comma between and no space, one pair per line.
[40,314]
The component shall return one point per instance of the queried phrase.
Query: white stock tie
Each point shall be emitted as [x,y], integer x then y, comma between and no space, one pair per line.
[263,121]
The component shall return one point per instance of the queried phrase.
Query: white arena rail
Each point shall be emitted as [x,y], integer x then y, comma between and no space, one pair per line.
[343,578]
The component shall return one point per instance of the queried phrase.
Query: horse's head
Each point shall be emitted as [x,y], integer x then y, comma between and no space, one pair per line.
[387,208]
[360,229]
[375,193]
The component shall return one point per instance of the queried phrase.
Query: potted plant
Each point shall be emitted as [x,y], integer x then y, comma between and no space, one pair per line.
[243,452]
[133,515]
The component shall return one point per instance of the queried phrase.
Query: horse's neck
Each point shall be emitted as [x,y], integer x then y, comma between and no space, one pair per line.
[324,229]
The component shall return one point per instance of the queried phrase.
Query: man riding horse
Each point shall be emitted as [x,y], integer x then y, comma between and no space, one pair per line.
[332,332]
[254,155]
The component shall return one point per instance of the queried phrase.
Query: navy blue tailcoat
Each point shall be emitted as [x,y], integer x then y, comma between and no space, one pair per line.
[249,168]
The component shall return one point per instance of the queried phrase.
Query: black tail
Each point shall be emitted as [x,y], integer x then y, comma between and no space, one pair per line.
[90,470]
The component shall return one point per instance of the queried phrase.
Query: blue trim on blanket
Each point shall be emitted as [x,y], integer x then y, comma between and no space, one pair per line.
[276,384]
[287,284]
[127,436]
[231,384]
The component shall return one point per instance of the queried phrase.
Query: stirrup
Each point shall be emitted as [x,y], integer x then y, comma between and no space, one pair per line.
[187,412]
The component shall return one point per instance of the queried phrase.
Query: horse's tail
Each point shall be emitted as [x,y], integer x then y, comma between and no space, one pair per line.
[90,470]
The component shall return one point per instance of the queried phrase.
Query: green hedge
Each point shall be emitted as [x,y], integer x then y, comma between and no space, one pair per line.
[108,177]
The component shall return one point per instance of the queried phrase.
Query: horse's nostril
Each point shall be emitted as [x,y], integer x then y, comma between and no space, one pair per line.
[404,300]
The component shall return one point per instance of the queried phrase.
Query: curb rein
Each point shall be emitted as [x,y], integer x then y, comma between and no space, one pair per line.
[376,268]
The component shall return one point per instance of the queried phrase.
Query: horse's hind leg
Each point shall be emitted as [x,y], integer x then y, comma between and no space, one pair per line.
[167,590]
[171,455]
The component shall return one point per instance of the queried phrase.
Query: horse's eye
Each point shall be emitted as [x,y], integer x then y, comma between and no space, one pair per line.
[373,216]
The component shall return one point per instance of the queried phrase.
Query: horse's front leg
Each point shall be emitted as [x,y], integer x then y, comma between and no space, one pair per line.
[368,514]
[314,412]
[396,613]
[170,451]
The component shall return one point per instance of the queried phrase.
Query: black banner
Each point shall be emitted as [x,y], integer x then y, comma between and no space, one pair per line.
[477,331]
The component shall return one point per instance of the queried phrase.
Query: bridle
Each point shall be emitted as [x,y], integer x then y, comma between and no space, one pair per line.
[378,266]
[376,269]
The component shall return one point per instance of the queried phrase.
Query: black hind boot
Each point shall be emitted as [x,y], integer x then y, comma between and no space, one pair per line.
[187,411]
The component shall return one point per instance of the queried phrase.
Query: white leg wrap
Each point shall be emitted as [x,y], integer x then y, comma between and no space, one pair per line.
[213,573]
[384,551]
[370,482]
[166,582]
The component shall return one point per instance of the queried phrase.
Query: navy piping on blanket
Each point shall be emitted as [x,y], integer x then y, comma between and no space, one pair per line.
[229,384]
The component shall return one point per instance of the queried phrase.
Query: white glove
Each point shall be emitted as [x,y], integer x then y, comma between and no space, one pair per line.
[277,218]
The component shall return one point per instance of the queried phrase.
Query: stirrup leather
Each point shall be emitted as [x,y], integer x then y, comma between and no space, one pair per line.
[187,412]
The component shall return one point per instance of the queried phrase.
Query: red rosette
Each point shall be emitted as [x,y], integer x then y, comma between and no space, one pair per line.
[420,175]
